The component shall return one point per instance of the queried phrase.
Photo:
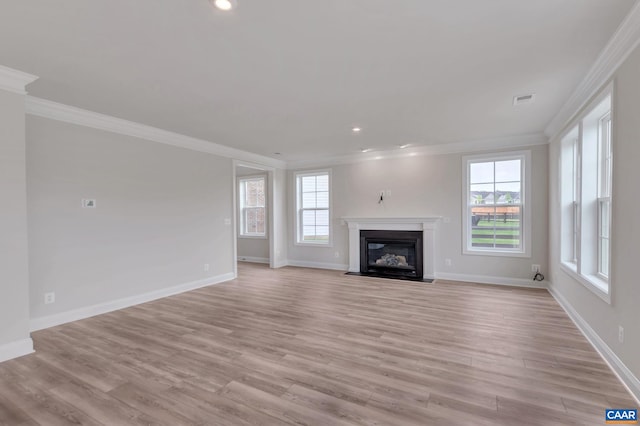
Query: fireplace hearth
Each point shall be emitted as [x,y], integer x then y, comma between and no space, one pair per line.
[391,254]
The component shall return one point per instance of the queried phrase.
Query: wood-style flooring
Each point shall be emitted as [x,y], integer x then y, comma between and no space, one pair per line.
[304,346]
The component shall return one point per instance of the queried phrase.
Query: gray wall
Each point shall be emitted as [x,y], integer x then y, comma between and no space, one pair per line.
[14,275]
[160,215]
[625,290]
[423,186]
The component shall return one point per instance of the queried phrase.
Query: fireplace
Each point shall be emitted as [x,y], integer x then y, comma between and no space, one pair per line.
[424,225]
[393,254]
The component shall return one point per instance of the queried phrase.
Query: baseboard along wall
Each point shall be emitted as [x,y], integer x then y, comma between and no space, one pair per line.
[16,349]
[625,375]
[41,323]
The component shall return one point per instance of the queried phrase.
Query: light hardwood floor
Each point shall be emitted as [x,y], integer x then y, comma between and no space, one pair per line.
[303,346]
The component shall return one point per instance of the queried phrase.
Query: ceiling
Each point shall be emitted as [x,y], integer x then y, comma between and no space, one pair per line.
[294,76]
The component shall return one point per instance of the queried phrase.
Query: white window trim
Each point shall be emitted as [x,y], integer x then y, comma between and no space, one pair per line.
[524,196]
[296,210]
[594,283]
[252,236]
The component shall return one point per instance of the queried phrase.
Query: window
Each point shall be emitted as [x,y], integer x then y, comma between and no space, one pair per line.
[585,192]
[604,195]
[496,215]
[312,205]
[252,207]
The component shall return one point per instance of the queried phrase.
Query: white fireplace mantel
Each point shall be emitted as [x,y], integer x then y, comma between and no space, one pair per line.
[425,224]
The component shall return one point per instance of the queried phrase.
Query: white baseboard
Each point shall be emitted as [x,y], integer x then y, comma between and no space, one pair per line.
[16,349]
[483,279]
[625,375]
[318,265]
[41,323]
[279,264]
[253,259]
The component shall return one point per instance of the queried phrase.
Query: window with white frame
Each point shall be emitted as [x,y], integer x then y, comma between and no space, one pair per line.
[312,206]
[252,207]
[495,206]
[586,183]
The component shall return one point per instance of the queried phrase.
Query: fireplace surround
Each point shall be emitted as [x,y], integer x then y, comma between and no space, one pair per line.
[427,225]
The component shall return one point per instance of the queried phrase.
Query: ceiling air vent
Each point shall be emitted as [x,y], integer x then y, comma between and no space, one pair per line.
[523,99]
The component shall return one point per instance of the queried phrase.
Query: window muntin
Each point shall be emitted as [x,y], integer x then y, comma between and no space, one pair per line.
[495,204]
[252,207]
[313,202]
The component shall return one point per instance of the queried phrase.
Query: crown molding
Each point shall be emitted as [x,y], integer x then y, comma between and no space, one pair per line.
[440,149]
[622,43]
[69,114]
[15,81]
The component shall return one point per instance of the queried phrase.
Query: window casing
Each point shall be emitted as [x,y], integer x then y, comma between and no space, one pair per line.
[496,209]
[313,214]
[252,211]
[586,167]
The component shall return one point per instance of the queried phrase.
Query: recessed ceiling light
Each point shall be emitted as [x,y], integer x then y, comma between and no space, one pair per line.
[379,157]
[356,129]
[403,146]
[224,4]
[365,149]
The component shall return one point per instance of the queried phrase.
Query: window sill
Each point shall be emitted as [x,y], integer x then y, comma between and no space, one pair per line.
[593,283]
[308,244]
[475,252]
[253,237]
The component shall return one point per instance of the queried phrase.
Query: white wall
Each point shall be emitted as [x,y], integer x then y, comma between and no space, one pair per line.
[159,217]
[14,272]
[423,186]
[604,318]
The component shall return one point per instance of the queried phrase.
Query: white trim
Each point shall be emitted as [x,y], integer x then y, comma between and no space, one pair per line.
[513,142]
[317,265]
[253,259]
[16,349]
[297,195]
[279,264]
[626,376]
[590,282]
[525,204]
[82,117]
[265,184]
[271,236]
[15,81]
[622,43]
[427,225]
[483,279]
[41,323]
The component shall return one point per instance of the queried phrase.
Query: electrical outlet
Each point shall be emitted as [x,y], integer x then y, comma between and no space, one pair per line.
[227,221]
[448,262]
[336,254]
[206,267]
[49,298]
[535,268]
[88,203]
[388,193]
[620,334]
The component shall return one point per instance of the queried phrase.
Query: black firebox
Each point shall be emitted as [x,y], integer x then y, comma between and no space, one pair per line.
[391,254]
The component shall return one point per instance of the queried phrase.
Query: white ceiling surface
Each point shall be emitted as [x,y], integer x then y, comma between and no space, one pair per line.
[293,76]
